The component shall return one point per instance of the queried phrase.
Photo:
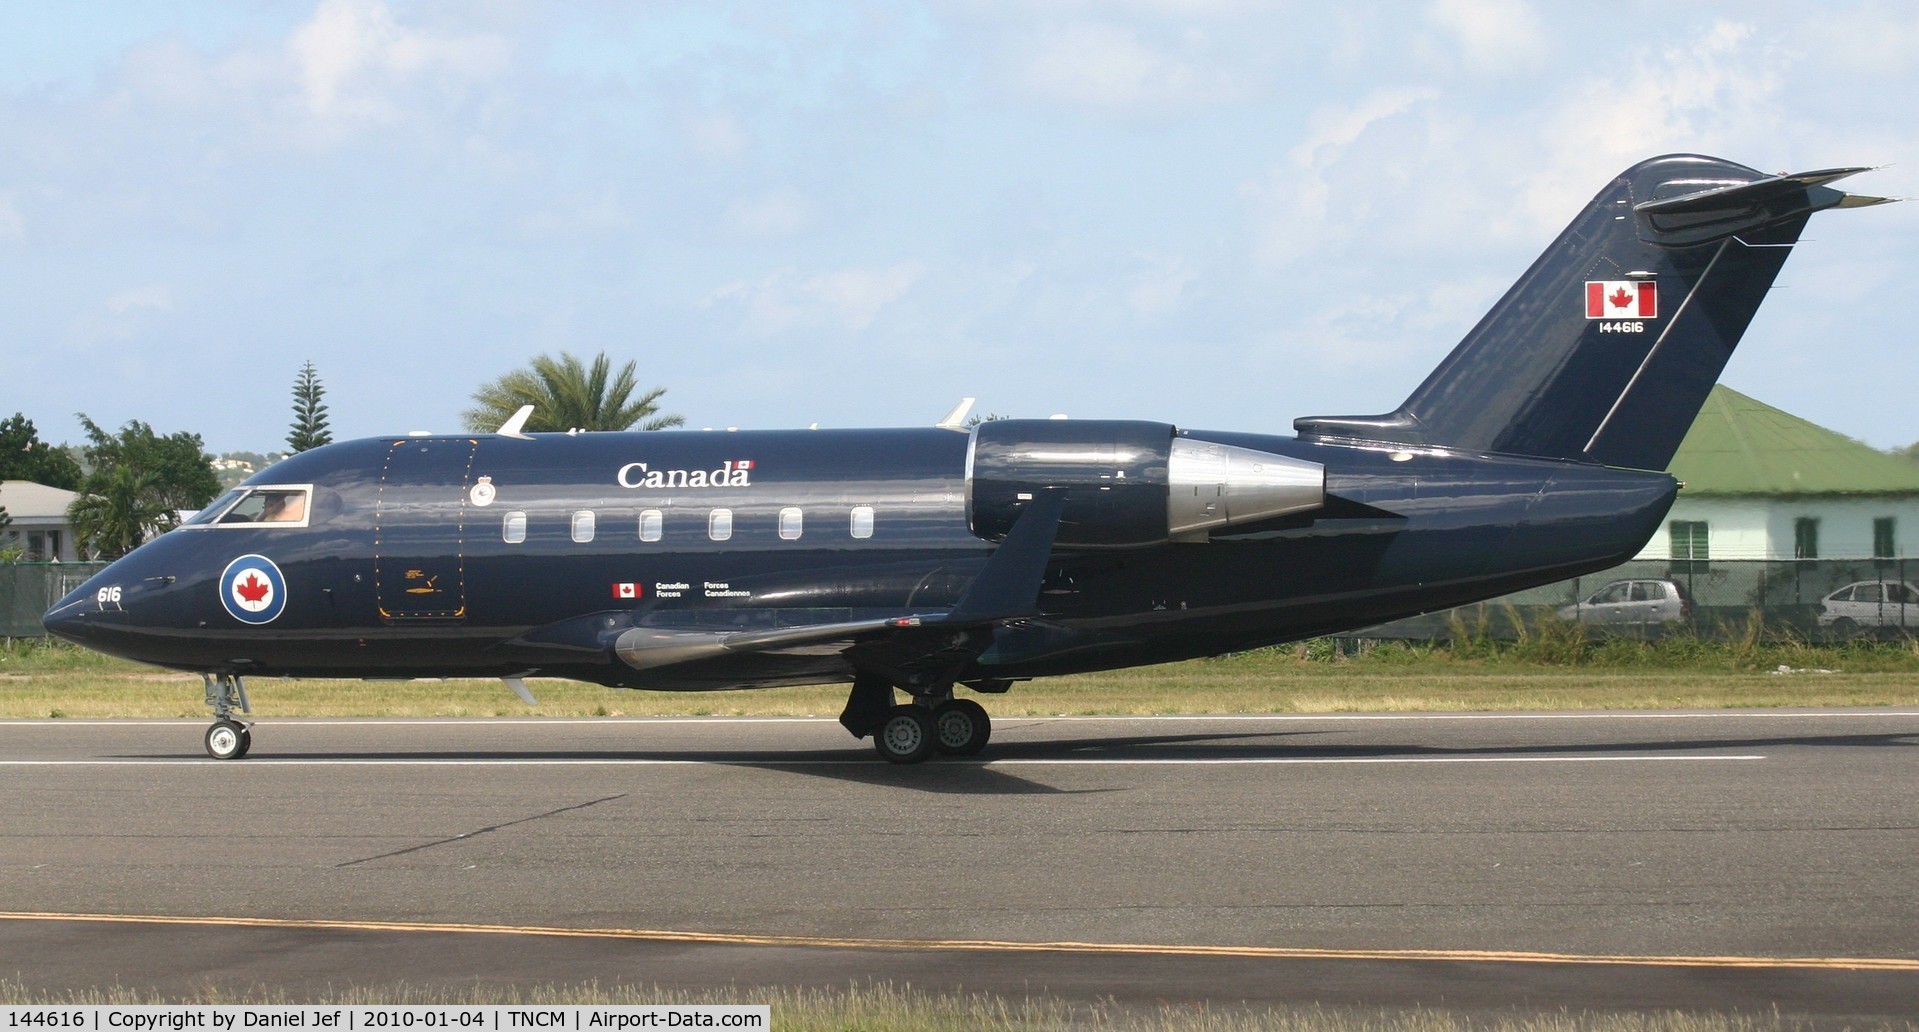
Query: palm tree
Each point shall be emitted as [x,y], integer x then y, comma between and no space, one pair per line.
[566,395]
[123,510]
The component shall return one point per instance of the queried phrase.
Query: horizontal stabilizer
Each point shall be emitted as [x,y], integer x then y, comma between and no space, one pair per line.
[1729,196]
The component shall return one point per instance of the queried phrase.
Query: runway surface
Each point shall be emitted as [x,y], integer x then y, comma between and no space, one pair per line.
[1738,860]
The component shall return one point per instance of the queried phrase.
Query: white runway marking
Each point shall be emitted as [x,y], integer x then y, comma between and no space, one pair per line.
[765,761]
[1280,718]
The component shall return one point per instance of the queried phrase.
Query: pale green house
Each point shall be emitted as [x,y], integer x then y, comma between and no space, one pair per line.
[1764,484]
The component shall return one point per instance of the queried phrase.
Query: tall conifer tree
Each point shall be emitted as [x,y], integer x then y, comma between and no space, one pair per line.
[309,414]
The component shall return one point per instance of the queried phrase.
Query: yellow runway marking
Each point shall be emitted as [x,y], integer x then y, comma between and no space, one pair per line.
[994,946]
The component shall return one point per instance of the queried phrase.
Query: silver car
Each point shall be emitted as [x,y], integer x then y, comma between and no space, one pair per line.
[1875,603]
[1631,603]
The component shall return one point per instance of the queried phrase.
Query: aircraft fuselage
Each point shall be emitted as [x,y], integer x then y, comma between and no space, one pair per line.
[497,556]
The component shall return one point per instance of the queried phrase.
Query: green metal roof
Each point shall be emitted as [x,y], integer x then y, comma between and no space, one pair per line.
[1739,446]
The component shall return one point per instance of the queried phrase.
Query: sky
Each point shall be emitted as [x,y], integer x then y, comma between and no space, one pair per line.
[1217,213]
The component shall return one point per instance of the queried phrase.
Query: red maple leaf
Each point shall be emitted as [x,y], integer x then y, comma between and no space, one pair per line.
[1620,298]
[253,589]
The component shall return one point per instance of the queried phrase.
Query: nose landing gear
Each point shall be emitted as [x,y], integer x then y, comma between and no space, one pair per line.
[227,739]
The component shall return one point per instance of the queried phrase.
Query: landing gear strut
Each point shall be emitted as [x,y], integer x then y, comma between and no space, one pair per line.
[227,739]
[910,733]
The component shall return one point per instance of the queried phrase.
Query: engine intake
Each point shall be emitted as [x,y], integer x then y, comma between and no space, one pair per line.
[1128,484]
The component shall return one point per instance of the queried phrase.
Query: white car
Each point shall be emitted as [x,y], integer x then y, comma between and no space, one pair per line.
[1873,603]
[1631,602]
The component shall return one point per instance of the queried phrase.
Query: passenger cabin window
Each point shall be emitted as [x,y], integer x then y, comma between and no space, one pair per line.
[719,524]
[790,523]
[513,528]
[863,521]
[282,506]
[652,524]
[583,526]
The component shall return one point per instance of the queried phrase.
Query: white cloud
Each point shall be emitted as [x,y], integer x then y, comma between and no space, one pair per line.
[769,216]
[1292,204]
[154,296]
[1162,288]
[1105,66]
[849,298]
[1495,36]
[585,216]
[12,227]
[1715,93]
[715,136]
[352,55]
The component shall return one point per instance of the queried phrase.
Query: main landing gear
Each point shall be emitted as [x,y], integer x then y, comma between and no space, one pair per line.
[912,732]
[227,739]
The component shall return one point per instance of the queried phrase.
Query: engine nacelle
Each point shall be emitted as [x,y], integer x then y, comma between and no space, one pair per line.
[1128,484]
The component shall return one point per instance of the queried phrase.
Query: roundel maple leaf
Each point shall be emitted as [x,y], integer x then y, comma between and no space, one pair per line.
[253,590]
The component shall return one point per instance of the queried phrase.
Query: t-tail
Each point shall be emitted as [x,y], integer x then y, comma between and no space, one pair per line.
[1605,349]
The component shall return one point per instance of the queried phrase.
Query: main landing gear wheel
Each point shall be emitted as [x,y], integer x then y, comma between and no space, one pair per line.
[961,727]
[228,740]
[906,735]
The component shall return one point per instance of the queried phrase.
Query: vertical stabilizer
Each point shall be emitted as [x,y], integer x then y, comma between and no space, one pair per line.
[1606,348]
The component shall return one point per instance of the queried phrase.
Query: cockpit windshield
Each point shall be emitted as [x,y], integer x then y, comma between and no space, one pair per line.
[281,506]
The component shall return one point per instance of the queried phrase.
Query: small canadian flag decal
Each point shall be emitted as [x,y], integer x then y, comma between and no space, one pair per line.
[626,589]
[1622,299]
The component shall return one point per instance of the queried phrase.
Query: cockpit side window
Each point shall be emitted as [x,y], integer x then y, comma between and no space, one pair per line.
[283,506]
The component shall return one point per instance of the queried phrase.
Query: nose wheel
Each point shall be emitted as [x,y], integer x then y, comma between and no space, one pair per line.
[227,739]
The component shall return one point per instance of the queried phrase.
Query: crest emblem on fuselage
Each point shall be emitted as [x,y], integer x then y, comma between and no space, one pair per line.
[253,590]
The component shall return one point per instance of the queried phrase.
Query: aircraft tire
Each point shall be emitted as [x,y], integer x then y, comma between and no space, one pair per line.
[227,740]
[906,735]
[961,727]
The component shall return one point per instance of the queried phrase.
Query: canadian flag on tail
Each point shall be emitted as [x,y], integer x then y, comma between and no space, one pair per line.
[1622,299]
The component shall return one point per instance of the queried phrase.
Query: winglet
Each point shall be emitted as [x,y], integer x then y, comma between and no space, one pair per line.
[956,419]
[514,424]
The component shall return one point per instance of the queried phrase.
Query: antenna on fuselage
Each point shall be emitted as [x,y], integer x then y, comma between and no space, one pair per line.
[513,427]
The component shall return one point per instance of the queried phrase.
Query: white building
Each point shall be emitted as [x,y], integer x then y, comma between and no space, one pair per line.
[39,515]
[1764,484]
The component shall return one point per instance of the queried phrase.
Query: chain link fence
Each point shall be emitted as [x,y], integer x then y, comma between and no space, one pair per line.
[29,589]
[1721,601]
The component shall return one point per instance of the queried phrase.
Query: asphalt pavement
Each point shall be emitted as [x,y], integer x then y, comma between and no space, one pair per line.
[1728,860]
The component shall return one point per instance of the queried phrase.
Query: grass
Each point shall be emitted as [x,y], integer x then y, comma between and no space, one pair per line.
[1552,668]
[893,1008]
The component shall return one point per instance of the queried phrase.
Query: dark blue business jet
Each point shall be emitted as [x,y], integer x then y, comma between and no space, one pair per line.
[916,561]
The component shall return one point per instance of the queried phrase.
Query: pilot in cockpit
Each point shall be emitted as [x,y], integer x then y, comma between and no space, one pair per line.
[284,507]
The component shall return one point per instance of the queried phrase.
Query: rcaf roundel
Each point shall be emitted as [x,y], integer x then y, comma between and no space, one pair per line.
[1622,299]
[253,590]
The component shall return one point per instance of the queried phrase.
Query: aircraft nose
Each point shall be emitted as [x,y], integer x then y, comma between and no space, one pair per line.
[80,617]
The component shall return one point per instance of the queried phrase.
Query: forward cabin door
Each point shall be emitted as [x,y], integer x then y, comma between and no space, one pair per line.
[419,530]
